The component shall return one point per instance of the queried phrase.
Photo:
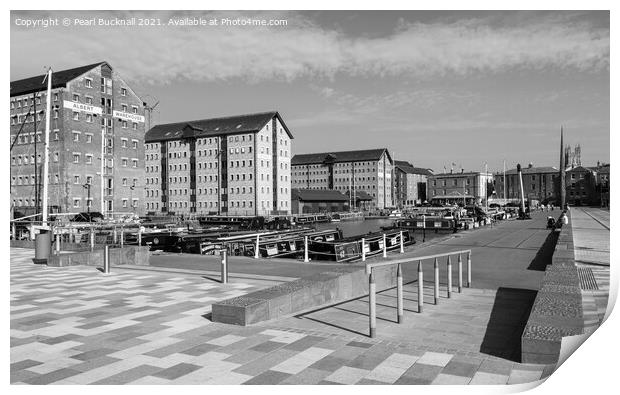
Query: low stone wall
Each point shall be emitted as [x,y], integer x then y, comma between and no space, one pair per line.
[336,285]
[22,244]
[557,310]
[118,256]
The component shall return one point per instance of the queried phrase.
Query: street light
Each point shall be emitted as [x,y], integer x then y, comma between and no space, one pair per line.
[87,186]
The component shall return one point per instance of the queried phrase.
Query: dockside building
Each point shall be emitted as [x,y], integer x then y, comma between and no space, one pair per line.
[409,184]
[96,152]
[237,165]
[460,188]
[350,172]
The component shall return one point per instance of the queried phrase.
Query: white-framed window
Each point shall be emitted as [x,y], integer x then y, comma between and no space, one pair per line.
[124,143]
[89,118]
[124,162]
[134,144]
[88,82]
[76,203]
[76,136]
[124,125]
[89,137]
[125,203]
[76,98]
[76,157]
[89,159]
[76,116]
[123,92]
[76,179]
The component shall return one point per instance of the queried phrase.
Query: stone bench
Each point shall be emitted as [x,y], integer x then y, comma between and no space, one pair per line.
[336,285]
[557,311]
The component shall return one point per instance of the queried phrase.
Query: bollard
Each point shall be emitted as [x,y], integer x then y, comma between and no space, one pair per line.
[399,294]
[449,277]
[57,242]
[469,269]
[106,259]
[140,236]
[122,236]
[420,287]
[306,259]
[363,249]
[114,235]
[402,243]
[92,240]
[224,267]
[436,293]
[384,246]
[14,231]
[460,274]
[256,252]
[372,301]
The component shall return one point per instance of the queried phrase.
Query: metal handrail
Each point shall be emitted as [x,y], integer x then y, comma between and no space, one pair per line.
[372,287]
[372,265]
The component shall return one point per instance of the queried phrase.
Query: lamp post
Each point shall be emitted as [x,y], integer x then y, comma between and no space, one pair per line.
[87,187]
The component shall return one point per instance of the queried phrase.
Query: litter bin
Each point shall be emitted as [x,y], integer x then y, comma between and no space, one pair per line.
[42,247]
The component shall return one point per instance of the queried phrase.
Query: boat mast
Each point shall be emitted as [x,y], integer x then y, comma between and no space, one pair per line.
[101,181]
[46,147]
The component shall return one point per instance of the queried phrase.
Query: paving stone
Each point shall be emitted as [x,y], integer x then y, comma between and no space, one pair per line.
[483,378]
[524,376]
[267,346]
[129,375]
[434,358]
[176,371]
[347,375]
[24,364]
[269,377]
[308,376]
[460,369]
[443,379]
[52,377]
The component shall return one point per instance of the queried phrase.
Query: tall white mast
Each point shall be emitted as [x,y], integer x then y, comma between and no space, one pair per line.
[46,150]
[102,184]
[505,197]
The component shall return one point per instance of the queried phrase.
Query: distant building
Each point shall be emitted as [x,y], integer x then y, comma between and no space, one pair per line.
[368,171]
[304,201]
[97,128]
[239,165]
[539,183]
[602,183]
[409,184]
[581,186]
[463,187]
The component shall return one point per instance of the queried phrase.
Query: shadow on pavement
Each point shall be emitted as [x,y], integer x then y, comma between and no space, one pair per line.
[509,316]
[544,255]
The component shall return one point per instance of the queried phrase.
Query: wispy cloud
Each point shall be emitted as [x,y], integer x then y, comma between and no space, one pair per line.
[305,49]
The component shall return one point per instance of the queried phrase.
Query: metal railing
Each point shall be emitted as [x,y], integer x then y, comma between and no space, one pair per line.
[372,286]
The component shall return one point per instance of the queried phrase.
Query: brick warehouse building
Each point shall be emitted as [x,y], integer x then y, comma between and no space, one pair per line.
[409,184]
[238,165]
[540,183]
[94,112]
[369,171]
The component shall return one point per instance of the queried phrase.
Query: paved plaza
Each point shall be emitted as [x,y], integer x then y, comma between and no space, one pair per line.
[76,325]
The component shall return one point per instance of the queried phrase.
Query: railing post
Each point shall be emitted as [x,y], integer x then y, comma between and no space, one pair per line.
[449,277]
[363,249]
[399,294]
[122,236]
[306,258]
[256,250]
[372,304]
[469,269]
[114,236]
[139,236]
[106,259]
[420,287]
[224,267]
[92,239]
[402,243]
[460,274]
[57,241]
[384,246]
[436,269]
[14,230]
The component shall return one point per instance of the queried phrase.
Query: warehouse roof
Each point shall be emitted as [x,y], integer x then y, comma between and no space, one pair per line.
[59,80]
[318,195]
[410,169]
[533,170]
[246,123]
[339,156]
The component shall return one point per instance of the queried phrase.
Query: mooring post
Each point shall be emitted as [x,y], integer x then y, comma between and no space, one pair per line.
[57,231]
[420,287]
[384,246]
[363,249]
[436,293]
[256,250]
[114,235]
[306,258]
[402,243]
[399,294]
[122,236]
[372,304]
[224,267]
[449,277]
[14,230]
[469,269]
[460,274]
[106,259]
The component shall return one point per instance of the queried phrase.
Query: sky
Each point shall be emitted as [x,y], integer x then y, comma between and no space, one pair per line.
[434,87]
